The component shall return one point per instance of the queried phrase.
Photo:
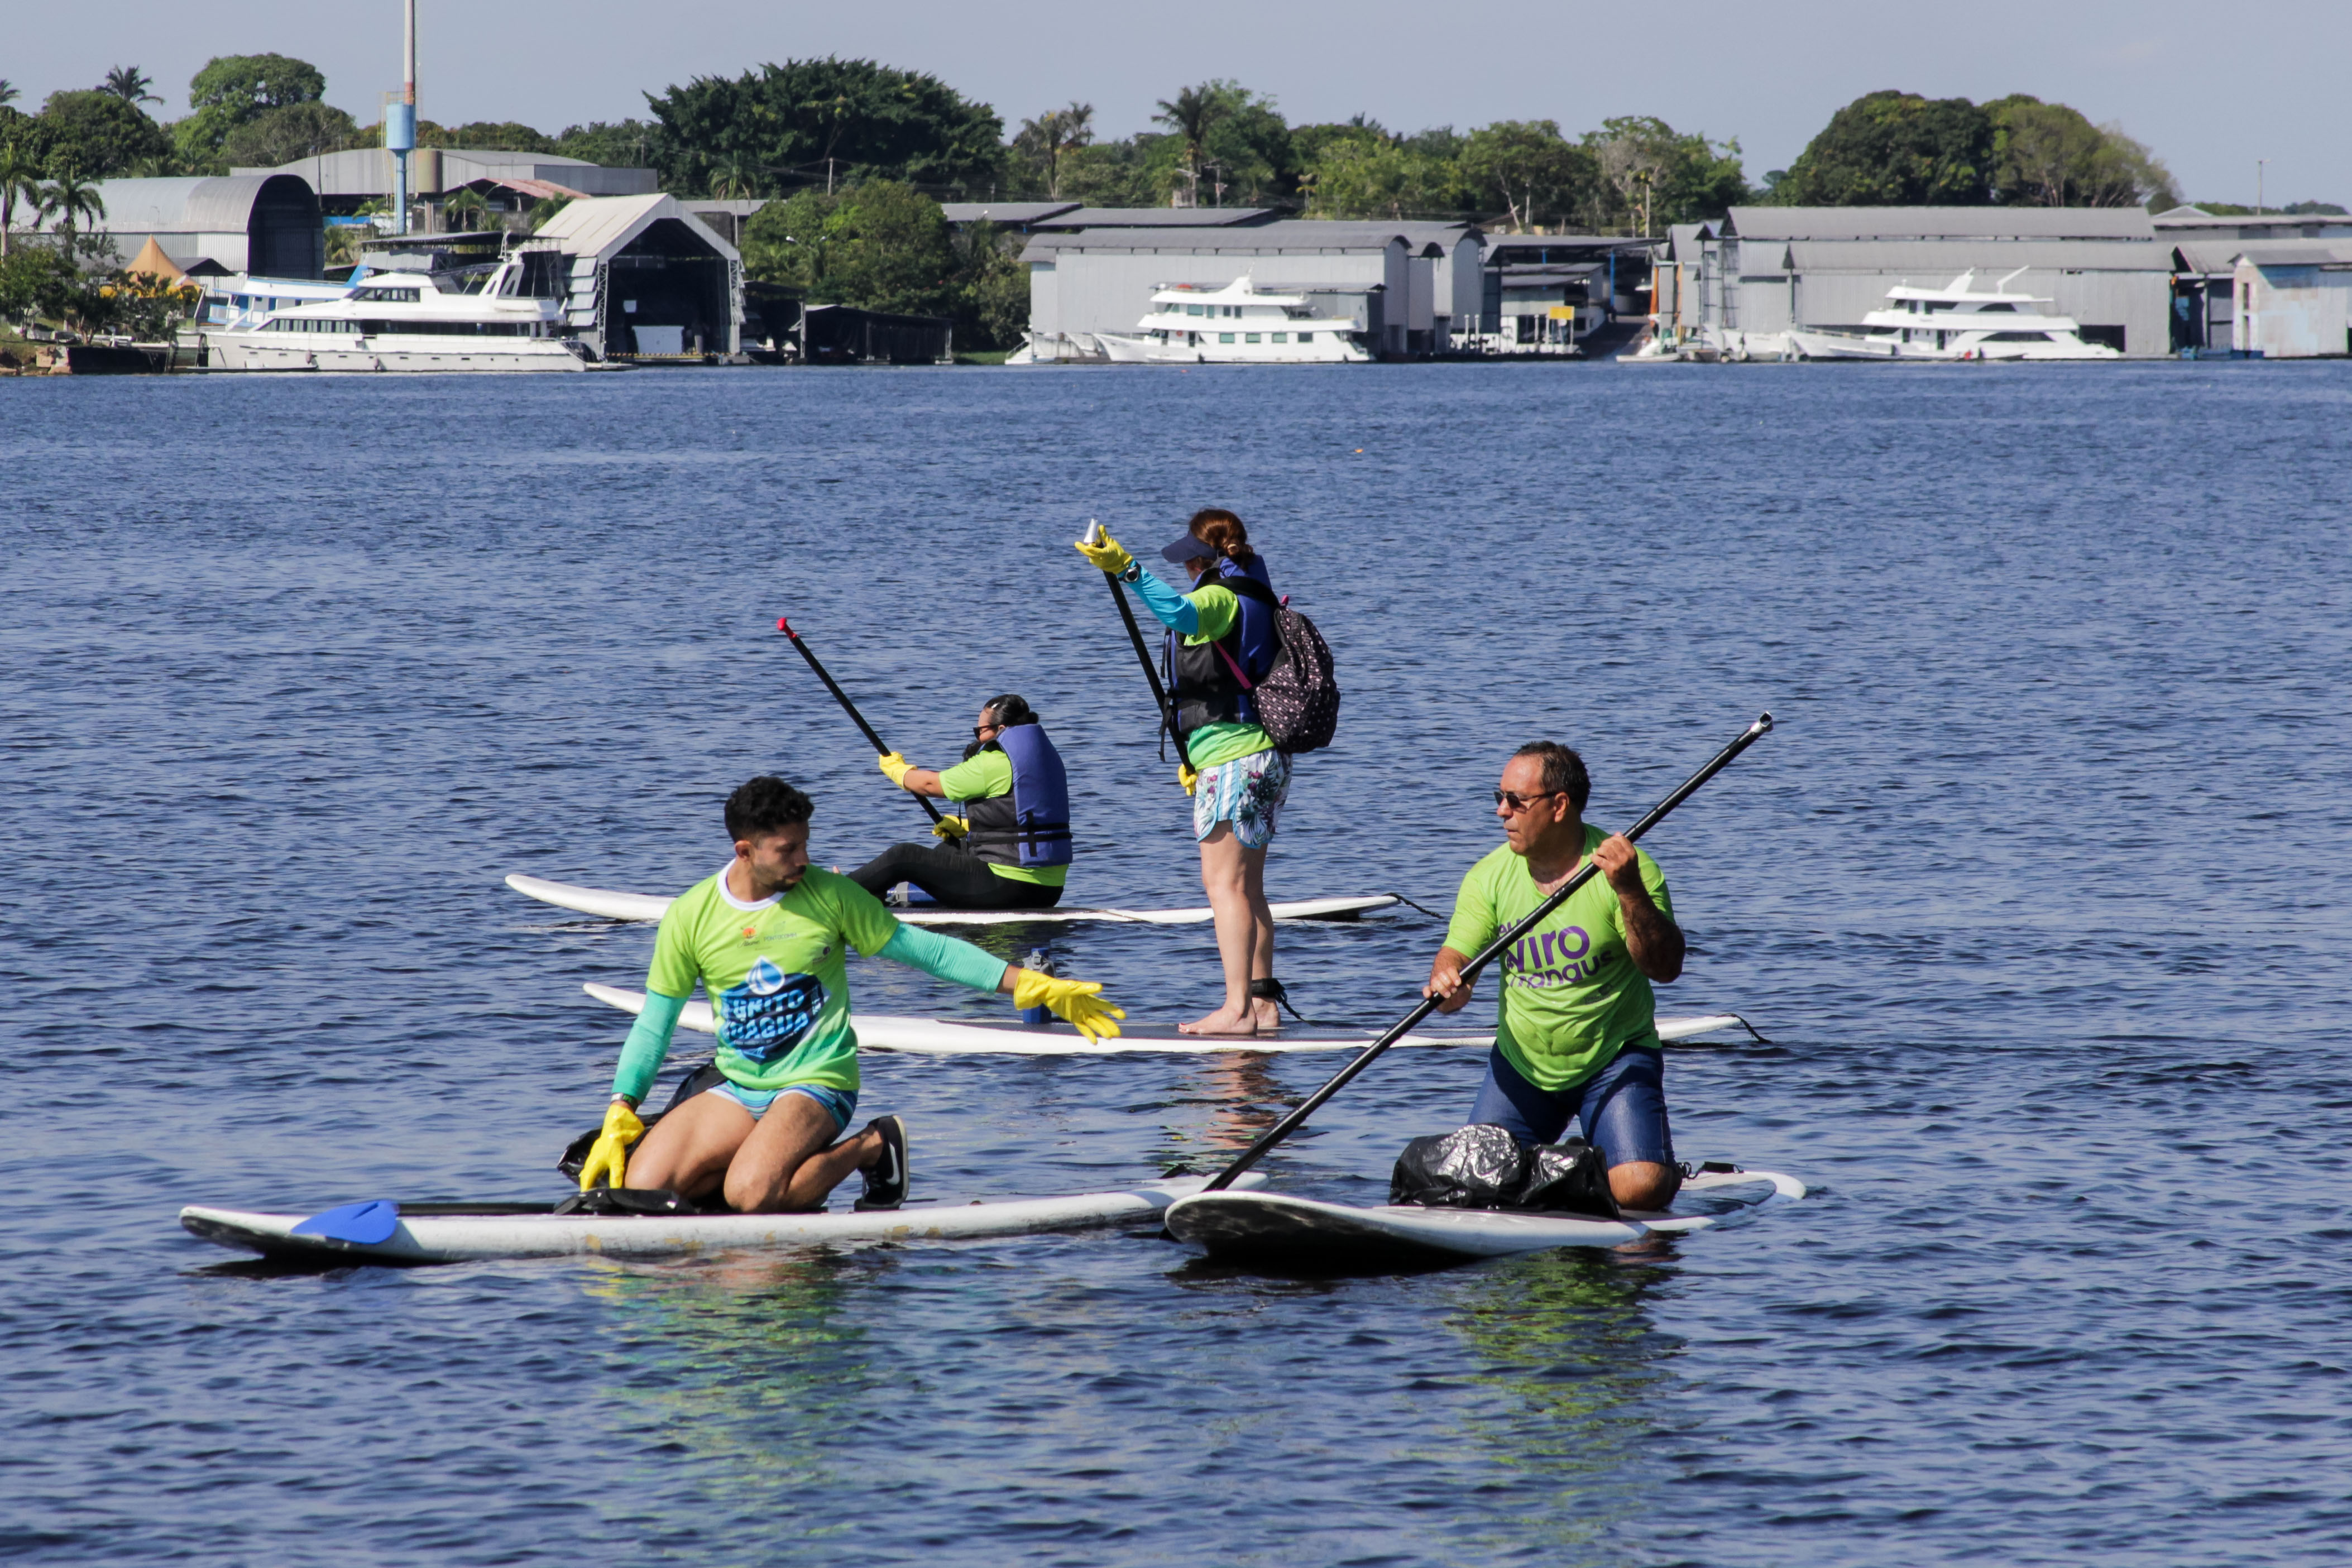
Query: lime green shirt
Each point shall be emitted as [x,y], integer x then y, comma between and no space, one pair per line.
[983,776]
[1572,997]
[1224,741]
[776,972]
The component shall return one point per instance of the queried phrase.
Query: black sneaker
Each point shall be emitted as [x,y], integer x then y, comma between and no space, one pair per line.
[885,1180]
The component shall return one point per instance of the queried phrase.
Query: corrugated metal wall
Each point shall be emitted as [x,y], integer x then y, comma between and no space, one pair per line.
[1109,291]
[2298,312]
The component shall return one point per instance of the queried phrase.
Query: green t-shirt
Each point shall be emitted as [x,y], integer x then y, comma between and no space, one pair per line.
[776,972]
[983,776]
[1224,741]
[1572,997]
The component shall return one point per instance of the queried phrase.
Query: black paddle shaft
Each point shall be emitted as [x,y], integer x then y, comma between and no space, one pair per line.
[1135,634]
[846,706]
[1296,1119]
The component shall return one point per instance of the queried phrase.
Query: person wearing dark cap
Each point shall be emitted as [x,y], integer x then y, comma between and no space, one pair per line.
[1011,849]
[1223,638]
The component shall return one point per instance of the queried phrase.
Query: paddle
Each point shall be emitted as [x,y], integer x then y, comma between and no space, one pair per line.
[1296,1119]
[846,706]
[1135,635]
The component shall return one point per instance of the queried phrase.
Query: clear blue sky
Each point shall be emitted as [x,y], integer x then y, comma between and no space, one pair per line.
[2210,88]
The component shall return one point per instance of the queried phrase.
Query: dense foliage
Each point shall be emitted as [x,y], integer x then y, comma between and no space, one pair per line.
[884,245]
[1898,149]
[234,91]
[99,135]
[823,123]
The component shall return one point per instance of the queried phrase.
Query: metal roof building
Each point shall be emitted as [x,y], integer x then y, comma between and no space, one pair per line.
[267,225]
[644,278]
[1413,281]
[2293,299]
[1762,270]
[344,180]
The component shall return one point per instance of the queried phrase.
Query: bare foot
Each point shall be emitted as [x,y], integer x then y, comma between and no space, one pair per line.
[1224,1020]
[1268,1016]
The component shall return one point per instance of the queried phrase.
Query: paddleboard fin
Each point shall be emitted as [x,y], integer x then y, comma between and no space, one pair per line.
[361,1224]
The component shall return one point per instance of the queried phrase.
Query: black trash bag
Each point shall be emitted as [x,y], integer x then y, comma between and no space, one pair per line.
[576,1153]
[1473,1168]
[1569,1177]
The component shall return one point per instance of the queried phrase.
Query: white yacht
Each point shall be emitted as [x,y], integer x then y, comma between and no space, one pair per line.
[1192,323]
[1956,322]
[466,318]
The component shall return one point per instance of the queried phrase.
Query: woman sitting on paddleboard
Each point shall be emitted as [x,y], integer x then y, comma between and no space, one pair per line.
[1222,640]
[1011,849]
[768,939]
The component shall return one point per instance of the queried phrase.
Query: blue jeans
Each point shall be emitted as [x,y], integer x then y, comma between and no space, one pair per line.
[1621,1109]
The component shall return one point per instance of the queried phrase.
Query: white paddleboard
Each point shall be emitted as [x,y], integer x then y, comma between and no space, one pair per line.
[613,905]
[422,1236]
[1265,1226]
[941,1037]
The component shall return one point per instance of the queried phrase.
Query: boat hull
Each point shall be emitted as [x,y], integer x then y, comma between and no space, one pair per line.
[240,351]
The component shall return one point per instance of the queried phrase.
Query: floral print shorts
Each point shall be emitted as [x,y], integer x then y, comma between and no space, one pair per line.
[1248,792]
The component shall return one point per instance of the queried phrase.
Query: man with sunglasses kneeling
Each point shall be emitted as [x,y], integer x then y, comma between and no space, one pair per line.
[1577,1037]
[1011,849]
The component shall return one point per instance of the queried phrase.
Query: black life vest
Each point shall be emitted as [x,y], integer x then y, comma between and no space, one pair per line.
[1201,679]
[1031,826]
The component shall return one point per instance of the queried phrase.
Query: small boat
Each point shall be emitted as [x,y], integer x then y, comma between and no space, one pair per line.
[1956,322]
[1234,1226]
[962,1037]
[409,1233]
[614,904]
[463,318]
[1191,323]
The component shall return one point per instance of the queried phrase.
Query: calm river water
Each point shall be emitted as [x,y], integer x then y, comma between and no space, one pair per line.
[2040,890]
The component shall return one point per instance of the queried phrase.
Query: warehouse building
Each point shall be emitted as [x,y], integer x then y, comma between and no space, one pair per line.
[643,278]
[2293,299]
[1410,286]
[507,182]
[1740,283]
[266,225]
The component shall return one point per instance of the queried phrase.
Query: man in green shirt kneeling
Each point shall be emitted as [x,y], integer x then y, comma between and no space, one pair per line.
[768,939]
[1577,1037]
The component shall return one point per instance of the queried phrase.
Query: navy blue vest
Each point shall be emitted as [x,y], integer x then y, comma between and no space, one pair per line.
[1200,678]
[1030,827]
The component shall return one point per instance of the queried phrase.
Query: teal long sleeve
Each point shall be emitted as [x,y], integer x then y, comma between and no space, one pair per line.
[944,957]
[648,1046]
[1172,609]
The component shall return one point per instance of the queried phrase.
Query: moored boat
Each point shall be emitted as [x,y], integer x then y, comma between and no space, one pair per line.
[1956,322]
[464,318]
[1192,323]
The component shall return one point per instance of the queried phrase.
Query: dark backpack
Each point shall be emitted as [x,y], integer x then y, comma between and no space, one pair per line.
[1297,703]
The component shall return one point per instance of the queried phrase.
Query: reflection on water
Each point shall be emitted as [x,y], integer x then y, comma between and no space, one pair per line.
[1568,1338]
[750,1369]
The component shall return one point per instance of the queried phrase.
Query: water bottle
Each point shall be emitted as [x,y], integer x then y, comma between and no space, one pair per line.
[1038,962]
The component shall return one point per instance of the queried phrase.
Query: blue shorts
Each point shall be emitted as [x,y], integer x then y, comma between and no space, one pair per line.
[1621,1109]
[841,1105]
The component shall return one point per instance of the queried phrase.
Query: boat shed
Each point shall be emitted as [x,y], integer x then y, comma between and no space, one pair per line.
[2294,300]
[1411,283]
[646,280]
[1760,271]
[268,226]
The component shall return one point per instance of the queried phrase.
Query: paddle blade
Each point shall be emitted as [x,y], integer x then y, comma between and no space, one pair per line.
[362,1224]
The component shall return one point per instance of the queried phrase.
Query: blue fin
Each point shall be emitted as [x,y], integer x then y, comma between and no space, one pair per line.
[365,1224]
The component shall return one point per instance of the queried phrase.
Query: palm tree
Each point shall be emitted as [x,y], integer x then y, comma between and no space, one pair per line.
[462,203]
[130,84]
[1193,111]
[731,182]
[70,199]
[9,91]
[1057,133]
[20,176]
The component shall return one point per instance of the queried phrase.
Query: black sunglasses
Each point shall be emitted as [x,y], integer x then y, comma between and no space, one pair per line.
[1521,802]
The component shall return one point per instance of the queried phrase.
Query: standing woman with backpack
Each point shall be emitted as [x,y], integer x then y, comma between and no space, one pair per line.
[1223,638]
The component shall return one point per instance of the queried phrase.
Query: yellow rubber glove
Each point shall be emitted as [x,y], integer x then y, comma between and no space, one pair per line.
[1080,1001]
[1109,554]
[950,828]
[896,766]
[1187,777]
[609,1156]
